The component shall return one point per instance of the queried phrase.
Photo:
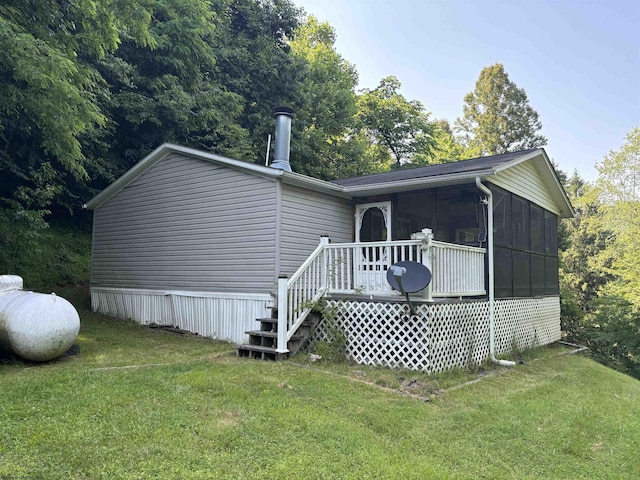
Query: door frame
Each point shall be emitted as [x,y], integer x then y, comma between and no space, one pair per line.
[361,209]
[369,272]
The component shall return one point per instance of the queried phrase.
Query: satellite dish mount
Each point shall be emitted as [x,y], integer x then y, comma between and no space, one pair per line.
[408,277]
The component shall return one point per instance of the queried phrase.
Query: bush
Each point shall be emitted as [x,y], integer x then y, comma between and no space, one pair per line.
[58,256]
[613,333]
[333,348]
[571,317]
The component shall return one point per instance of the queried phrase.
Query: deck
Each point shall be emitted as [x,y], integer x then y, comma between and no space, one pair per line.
[360,268]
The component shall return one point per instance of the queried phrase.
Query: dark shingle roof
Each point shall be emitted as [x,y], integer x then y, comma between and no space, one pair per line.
[463,166]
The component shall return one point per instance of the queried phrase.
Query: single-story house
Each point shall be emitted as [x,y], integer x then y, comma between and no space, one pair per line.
[210,244]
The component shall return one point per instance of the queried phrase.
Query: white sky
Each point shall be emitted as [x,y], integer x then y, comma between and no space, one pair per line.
[577,60]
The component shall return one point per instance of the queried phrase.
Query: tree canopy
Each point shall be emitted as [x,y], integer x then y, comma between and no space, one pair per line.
[402,126]
[600,273]
[618,189]
[326,106]
[49,88]
[497,117]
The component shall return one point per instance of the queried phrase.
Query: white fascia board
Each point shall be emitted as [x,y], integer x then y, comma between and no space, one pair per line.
[250,167]
[560,188]
[162,151]
[416,183]
[299,180]
[519,160]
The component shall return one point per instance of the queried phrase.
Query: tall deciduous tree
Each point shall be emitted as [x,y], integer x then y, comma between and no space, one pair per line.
[48,104]
[582,269]
[600,268]
[212,82]
[254,61]
[47,86]
[169,94]
[447,147]
[618,188]
[325,144]
[497,117]
[401,126]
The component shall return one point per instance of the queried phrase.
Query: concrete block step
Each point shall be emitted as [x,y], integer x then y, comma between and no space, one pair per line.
[260,352]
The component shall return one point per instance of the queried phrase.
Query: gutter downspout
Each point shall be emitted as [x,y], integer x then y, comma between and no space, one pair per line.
[492,347]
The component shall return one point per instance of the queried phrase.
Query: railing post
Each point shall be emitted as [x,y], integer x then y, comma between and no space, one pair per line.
[426,236]
[324,273]
[282,314]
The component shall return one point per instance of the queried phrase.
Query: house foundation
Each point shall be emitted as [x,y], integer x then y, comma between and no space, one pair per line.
[222,316]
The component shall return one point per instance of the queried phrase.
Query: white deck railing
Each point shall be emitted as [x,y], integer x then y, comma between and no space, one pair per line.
[362,267]
[457,271]
[296,295]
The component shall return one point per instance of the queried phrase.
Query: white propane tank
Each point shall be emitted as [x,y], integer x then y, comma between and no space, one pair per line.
[35,326]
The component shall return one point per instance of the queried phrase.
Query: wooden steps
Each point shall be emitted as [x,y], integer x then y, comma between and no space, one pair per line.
[263,343]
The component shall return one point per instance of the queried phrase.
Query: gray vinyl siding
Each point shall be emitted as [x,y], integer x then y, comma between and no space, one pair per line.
[305,216]
[188,224]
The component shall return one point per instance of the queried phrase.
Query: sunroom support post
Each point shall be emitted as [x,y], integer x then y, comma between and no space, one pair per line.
[492,327]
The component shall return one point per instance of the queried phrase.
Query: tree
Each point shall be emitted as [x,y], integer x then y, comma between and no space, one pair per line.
[600,271]
[618,189]
[614,334]
[47,92]
[212,82]
[447,148]
[48,102]
[497,117]
[169,93]
[254,61]
[583,269]
[400,125]
[322,147]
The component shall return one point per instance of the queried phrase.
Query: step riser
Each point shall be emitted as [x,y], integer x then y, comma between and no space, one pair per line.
[264,342]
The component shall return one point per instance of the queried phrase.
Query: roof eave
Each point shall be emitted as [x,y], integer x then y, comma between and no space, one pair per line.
[416,183]
[568,211]
[164,150]
[519,160]
[565,197]
[299,180]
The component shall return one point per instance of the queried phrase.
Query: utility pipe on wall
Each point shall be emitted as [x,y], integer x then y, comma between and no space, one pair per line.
[492,346]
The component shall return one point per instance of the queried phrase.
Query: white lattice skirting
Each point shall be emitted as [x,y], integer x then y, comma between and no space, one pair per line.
[225,316]
[443,335]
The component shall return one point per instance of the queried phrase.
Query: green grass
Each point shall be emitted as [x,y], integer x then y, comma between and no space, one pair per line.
[140,404]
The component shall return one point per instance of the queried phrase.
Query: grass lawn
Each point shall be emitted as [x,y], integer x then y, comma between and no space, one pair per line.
[143,404]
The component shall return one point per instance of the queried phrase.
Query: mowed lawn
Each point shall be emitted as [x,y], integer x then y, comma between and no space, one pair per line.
[138,403]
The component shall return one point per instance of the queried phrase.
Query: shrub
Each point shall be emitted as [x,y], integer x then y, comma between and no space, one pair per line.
[571,317]
[613,334]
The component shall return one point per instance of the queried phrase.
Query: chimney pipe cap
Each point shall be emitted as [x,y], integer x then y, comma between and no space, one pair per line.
[282,110]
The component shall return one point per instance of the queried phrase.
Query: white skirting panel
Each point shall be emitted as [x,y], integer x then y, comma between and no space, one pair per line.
[443,335]
[224,316]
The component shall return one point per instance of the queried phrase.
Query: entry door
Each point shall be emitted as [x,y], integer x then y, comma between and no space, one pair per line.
[373,224]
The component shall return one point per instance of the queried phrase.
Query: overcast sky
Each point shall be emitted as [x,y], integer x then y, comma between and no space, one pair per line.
[577,60]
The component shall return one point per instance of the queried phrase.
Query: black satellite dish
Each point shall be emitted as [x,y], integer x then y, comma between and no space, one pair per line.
[408,277]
